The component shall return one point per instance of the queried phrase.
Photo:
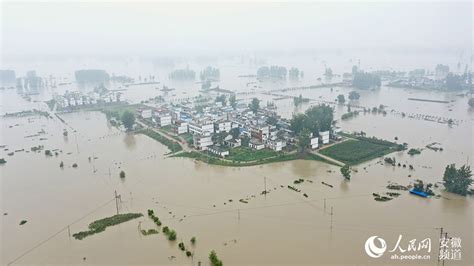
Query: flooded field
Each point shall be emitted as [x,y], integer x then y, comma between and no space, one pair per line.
[282,227]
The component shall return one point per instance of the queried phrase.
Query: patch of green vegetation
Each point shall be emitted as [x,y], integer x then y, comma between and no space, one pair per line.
[353,152]
[117,110]
[22,222]
[215,261]
[152,216]
[149,232]
[172,145]
[210,159]
[3,161]
[243,154]
[100,225]
[171,234]
[414,151]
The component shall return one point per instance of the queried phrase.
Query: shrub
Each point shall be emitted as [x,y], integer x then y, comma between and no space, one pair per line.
[172,235]
[193,240]
[122,174]
[215,261]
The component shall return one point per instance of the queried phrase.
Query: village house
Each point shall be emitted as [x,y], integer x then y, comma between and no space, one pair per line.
[162,118]
[200,128]
[314,142]
[256,144]
[145,113]
[217,150]
[202,141]
[324,135]
[180,127]
[222,126]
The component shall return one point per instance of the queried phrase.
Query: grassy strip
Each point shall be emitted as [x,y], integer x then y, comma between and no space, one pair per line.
[357,151]
[242,154]
[172,145]
[279,158]
[100,225]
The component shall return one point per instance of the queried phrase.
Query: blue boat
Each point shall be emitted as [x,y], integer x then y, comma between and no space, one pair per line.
[419,193]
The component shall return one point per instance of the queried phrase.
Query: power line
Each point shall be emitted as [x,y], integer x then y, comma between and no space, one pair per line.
[58,232]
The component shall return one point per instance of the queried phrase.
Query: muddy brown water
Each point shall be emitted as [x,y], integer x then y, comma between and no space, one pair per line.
[282,227]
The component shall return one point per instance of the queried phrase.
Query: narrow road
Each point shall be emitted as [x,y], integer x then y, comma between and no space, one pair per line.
[183,143]
[328,158]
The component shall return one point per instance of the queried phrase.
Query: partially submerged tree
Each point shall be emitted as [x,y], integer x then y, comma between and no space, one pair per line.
[457,180]
[128,120]
[304,139]
[346,172]
[254,105]
[341,98]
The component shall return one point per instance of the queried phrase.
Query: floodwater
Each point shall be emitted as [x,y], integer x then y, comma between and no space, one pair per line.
[282,227]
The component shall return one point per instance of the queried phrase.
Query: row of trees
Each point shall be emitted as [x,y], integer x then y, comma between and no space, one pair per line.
[276,72]
[311,122]
[363,80]
[182,74]
[457,180]
[353,95]
[210,73]
[223,99]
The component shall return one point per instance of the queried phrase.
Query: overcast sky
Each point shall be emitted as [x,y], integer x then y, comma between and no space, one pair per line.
[164,28]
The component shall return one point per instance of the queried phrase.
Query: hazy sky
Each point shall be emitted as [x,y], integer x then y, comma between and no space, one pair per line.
[162,28]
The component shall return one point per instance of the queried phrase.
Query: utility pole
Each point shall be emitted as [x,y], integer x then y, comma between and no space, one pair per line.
[439,245]
[69,231]
[444,250]
[331,217]
[265,184]
[116,201]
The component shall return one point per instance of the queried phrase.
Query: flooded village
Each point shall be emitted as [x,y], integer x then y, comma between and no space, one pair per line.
[250,157]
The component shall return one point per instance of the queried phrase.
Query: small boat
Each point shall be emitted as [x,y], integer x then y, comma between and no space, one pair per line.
[419,193]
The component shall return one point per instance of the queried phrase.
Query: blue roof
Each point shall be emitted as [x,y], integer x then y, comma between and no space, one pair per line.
[419,193]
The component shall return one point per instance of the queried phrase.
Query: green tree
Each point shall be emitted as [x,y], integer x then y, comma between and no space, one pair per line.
[297,123]
[340,98]
[128,120]
[235,132]
[122,174]
[346,172]
[254,105]
[272,120]
[354,95]
[304,140]
[215,261]
[320,118]
[471,102]
[222,99]
[219,137]
[232,101]
[245,141]
[457,180]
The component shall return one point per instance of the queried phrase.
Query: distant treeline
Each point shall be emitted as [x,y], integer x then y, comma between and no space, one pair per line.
[210,73]
[275,72]
[182,74]
[364,80]
[91,76]
[7,76]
